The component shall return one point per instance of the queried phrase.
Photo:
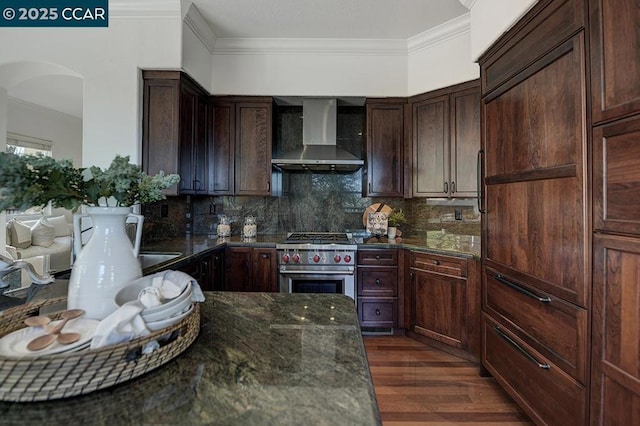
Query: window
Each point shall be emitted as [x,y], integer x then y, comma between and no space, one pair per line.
[27,145]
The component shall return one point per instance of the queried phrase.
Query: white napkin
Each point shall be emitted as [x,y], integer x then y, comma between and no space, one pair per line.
[121,326]
[170,284]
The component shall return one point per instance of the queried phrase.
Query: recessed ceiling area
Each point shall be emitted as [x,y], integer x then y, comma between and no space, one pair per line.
[355,19]
[61,93]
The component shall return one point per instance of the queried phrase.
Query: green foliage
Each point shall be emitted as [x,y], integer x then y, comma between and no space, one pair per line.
[396,218]
[30,181]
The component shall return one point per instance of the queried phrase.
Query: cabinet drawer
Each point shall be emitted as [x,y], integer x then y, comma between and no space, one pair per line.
[378,257]
[377,281]
[543,390]
[447,265]
[377,311]
[554,327]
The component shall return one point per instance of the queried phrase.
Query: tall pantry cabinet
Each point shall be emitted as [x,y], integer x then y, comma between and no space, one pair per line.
[615,112]
[536,237]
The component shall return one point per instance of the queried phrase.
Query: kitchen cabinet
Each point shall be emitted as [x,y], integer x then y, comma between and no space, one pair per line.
[177,130]
[378,274]
[207,269]
[445,129]
[536,241]
[385,172]
[242,145]
[615,58]
[443,297]
[251,269]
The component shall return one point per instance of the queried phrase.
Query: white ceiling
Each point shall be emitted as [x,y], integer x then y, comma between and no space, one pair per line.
[298,19]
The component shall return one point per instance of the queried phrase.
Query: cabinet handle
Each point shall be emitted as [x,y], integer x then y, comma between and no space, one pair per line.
[479,181]
[268,186]
[524,291]
[265,255]
[453,187]
[369,187]
[378,281]
[446,187]
[530,357]
[436,262]
[377,257]
[195,185]
[378,312]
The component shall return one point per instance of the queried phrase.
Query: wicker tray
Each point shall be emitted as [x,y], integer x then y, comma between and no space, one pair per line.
[58,376]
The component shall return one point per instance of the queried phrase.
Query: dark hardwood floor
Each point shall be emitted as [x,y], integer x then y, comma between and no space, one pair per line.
[419,385]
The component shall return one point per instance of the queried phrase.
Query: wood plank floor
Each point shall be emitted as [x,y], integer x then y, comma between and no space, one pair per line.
[419,385]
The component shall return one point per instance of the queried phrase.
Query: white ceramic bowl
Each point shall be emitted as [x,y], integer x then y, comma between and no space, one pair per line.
[166,310]
[158,325]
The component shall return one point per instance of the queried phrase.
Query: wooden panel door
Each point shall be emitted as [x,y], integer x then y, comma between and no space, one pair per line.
[615,392]
[223,148]
[465,142]
[615,58]
[265,270]
[239,269]
[188,100]
[430,124]
[385,153]
[253,148]
[616,176]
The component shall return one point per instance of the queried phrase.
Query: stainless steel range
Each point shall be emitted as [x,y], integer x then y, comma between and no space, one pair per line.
[318,262]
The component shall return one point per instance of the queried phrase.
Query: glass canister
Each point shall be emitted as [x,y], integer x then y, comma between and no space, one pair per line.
[224,227]
[250,229]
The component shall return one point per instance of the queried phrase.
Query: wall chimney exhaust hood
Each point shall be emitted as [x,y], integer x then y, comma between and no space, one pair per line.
[319,152]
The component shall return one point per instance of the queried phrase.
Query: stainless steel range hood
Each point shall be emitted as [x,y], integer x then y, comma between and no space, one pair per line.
[319,152]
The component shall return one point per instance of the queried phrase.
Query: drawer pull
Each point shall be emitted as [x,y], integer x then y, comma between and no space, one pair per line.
[377,257]
[378,312]
[378,281]
[520,348]
[436,262]
[524,291]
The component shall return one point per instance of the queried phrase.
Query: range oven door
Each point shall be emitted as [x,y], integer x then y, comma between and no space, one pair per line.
[337,282]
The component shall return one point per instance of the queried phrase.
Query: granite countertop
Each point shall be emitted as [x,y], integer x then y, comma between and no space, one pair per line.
[260,358]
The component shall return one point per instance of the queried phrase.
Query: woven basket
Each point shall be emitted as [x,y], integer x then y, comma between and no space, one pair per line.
[58,376]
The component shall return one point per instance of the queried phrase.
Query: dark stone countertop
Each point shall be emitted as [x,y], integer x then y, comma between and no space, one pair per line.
[260,358]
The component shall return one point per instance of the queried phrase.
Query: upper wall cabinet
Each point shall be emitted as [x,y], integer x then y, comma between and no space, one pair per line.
[177,130]
[615,58]
[242,145]
[445,130]
[385,147]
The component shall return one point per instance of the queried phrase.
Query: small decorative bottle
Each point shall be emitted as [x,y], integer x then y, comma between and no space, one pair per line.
[224,227]
[250,229]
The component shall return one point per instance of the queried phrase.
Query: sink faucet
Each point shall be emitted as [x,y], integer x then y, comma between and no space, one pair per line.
[8,265]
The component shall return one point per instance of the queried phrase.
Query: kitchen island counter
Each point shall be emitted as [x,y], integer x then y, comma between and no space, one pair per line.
[259,359]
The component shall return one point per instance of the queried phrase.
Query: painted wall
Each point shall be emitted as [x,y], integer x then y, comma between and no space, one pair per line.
[63,130]
[491,18]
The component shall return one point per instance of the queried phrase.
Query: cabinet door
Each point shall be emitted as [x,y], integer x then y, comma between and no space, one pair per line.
[223,148]
[440,307]
[239,269]
[265,273]
[615,372]
[616,177]
[188,105]
[465,142]
[615,58]
[385,153]
[430,120]
[161,130]
[253,149]
[202,146]
[217,270]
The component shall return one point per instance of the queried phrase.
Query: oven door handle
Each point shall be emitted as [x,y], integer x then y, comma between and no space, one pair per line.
[317,272]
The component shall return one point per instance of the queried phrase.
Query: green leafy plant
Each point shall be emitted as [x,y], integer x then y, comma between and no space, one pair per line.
[32,181]
[396,218]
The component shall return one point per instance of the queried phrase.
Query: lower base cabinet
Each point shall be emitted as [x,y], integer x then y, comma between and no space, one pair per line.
[208,270]
[378,287]
[251,269]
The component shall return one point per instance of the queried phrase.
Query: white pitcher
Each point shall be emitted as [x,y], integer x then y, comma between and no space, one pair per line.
[106,263]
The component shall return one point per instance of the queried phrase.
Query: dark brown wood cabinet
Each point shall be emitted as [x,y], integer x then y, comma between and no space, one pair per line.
[385,172]
[207,269]
[242,145]
[445,133]
[251,269]
[536,229]
[177,130]
[442,299]
[378,274]
[615,58]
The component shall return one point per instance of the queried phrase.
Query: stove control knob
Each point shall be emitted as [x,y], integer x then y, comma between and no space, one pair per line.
[347,258]
[316,258]
[337,258]
[295,258]
[285,258]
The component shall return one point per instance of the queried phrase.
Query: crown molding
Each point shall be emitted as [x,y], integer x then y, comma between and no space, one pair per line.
[447,31]
[197,24]
[314,46]
[148,9]
[468,3]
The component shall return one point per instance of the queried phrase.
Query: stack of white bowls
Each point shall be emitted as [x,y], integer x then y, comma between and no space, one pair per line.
[164,315]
